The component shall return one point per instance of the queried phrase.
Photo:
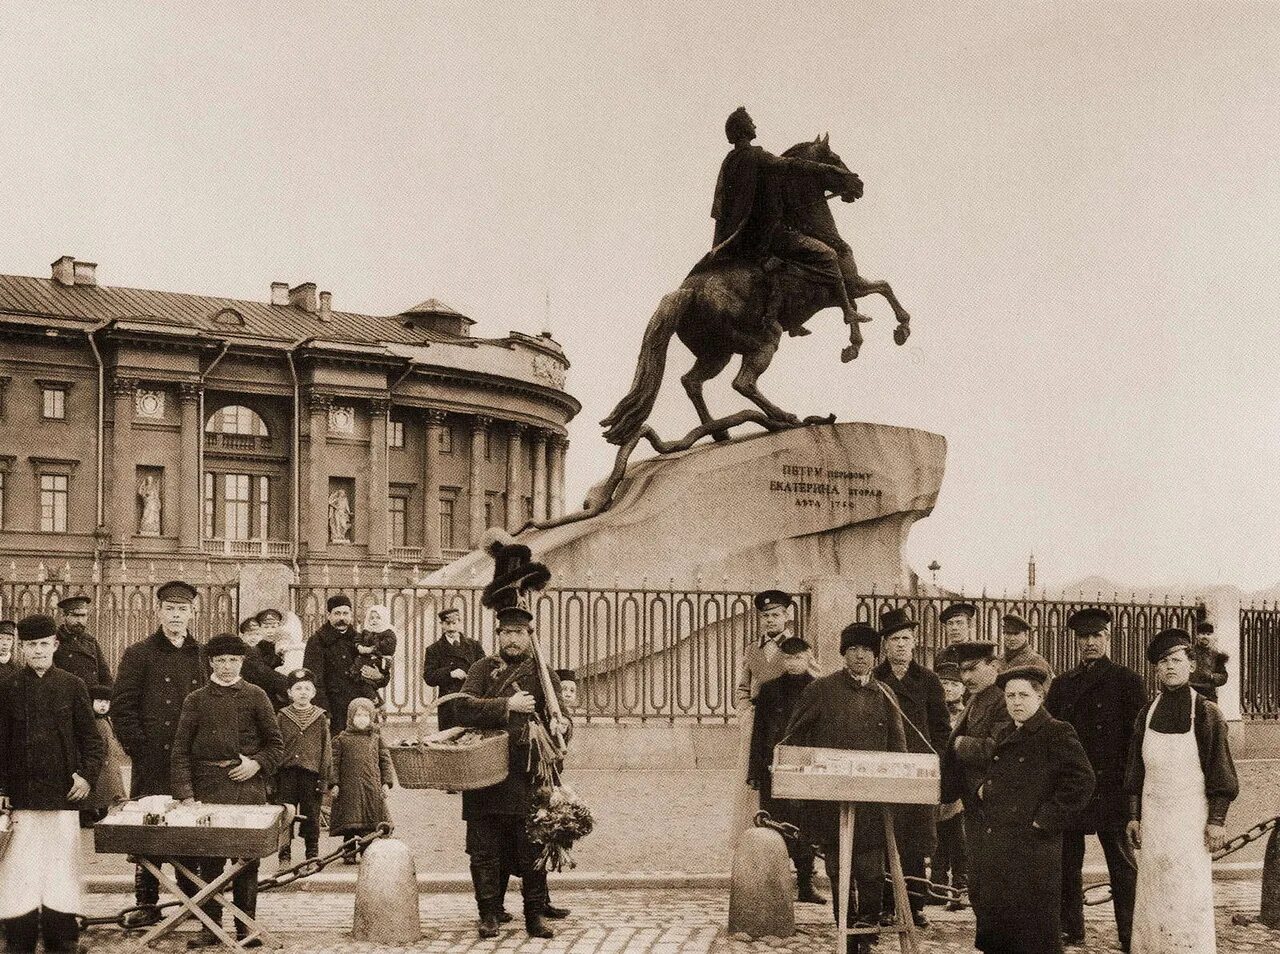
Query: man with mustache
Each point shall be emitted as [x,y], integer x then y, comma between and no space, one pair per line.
[78,651]
[330,655]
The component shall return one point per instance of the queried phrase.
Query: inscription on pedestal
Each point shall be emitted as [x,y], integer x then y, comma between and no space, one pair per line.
[826,487]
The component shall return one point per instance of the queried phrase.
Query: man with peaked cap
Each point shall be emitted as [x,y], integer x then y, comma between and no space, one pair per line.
[774,704]
[78,651]
[155,676]
[9,665]
[50,752]
[505,691]
[261,662]
[227,746]
[968,752]
[446,661]
[1101,699]
[1209,672]
[928,728]
[957,626]
[1016,633]
[331,656]
[850,709]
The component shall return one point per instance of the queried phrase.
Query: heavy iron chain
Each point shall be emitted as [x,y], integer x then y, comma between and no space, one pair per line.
[285,876]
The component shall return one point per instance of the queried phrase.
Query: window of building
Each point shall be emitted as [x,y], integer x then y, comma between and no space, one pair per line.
[55,404]
[395,434]
[53,503]
[236,419]
[210,503]
[264,508]
[446,439]
[446,523]
[399,510]
[237,506]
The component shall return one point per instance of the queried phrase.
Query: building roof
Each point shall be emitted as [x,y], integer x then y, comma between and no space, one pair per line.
[95,304]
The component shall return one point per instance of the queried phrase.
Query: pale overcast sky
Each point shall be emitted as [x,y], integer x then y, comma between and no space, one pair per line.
[1079,203]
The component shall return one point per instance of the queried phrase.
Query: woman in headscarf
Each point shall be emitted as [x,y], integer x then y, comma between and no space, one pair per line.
[1180,780]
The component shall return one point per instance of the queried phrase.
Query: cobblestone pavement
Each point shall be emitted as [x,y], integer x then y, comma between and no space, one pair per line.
[666,921]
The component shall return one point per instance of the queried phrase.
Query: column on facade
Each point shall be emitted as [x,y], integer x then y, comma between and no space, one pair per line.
[379,489]
[316,516]
[539,475]
[431,488]
[122,460]
[475,482]
[515,477]
[559,447]
[190,510]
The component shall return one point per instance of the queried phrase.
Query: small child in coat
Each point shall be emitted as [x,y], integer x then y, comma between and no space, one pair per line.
[108,788]
[375,646]
[307,769]
[362,775]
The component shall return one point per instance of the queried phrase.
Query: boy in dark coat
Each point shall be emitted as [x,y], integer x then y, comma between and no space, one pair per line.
[306,768]
[446,661]
[1210,663]
[227,745]
[774,704]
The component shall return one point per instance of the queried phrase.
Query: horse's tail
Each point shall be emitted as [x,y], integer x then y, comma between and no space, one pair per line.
[625,420]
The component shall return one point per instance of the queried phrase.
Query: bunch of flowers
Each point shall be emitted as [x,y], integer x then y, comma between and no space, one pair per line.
[559,819]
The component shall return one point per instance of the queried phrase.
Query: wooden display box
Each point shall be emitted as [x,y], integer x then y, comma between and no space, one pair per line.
[198,841]
[846,775]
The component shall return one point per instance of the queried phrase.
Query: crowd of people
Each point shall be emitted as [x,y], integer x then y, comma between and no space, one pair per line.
[1031,764]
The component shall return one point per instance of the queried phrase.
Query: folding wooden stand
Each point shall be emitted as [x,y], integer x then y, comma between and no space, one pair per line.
[903,925]
[191,905]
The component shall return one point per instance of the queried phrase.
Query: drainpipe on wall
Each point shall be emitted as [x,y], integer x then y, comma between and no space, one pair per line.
[99,482]
[226,345]
[296,454]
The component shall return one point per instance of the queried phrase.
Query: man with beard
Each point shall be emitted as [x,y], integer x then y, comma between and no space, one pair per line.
[850,709]
[156,675]
[923,705]
[506,692]
[78,651]
[1101,699]
[330,655]
[446,661]
[1017,646]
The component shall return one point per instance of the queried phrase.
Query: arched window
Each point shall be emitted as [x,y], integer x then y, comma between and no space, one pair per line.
[236,419]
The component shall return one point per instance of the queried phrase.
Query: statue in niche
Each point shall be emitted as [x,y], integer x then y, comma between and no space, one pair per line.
[149,494]
[339,516]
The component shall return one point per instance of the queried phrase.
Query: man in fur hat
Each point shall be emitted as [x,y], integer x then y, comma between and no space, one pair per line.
[331,656]
[49,753]
[850,709]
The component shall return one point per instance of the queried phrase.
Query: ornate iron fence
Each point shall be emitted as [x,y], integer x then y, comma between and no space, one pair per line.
[1134,624]
[121,613]
[639,654]
[1260,661]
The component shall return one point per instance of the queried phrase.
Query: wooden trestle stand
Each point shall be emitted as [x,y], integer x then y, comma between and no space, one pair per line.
[848,777]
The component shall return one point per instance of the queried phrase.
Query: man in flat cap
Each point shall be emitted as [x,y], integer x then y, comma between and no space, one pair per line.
[331,656]
[446,661]
[968,752]
[957,621]
[505,691]
[1209,663]
[1018,653]
[850,709]
[1101,699]
[50,752]
[155,676]
[78,650]
[923,705]
[220,767]
[9,665]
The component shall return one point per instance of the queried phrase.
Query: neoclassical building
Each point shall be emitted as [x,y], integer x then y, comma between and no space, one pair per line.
[160,428]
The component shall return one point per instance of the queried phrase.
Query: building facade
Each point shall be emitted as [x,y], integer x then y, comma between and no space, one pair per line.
[159,430]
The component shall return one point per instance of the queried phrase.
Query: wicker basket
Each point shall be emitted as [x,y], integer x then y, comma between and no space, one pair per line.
[454,768]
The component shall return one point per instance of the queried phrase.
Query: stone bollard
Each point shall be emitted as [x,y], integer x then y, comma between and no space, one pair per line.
[387,895]
[1269,914]
[760,891]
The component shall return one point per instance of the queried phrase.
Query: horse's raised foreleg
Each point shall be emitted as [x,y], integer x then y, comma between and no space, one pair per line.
[704,369]
[754,364]
[861,287]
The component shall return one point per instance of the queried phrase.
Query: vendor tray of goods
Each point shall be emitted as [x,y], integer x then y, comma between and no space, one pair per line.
[164,810]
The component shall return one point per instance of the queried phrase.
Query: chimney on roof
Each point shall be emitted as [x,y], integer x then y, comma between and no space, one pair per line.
[326,305]
[279,293]
[85,273]
[304,296]
[64,271]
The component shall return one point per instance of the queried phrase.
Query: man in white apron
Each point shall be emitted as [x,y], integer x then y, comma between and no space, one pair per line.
[1182,780]
[49,749]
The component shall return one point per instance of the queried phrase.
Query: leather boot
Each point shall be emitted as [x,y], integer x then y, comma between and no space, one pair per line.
[804,885]
[534,888]
[535,926]
[484,877]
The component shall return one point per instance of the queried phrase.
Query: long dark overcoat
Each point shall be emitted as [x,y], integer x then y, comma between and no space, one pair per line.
[361,766]
[146,702]
[82,656]
[836,712]
[490,683]
[438,663]
[46,735]
[920,696]
[1101,700]
[330,656]
[775,702]
[1038,781]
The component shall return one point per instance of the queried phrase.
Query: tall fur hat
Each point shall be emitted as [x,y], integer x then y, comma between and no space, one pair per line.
[515,572]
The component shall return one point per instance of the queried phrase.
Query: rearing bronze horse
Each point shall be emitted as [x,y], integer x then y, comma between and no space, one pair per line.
[721,310]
